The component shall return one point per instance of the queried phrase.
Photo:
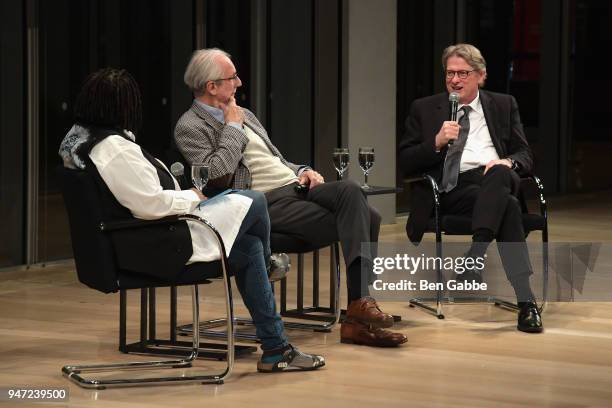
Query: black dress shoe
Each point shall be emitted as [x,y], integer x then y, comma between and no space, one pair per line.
[529,319]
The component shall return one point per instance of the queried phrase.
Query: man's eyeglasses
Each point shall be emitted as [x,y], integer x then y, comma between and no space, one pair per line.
[461,74]
[232,78]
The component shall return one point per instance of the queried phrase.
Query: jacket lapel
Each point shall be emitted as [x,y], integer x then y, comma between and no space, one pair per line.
[218,126]
[490,112]
[442,111]
[207,117]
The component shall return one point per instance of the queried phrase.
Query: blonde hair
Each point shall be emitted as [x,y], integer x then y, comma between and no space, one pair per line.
[470,54]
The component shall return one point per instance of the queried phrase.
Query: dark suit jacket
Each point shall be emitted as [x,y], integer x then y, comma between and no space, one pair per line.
[418,156]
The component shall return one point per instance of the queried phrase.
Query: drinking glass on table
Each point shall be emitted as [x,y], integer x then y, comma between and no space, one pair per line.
[341,160]
[366,161]
[199,175]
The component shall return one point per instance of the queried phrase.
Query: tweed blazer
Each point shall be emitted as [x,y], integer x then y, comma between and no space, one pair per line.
[417,152]
[203,139]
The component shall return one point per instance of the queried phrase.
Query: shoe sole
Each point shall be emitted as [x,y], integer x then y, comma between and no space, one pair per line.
[377,324]
[531,330]
[289,369]
[358,343]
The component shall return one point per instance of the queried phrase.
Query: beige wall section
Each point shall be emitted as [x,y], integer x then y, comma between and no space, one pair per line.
[368,92]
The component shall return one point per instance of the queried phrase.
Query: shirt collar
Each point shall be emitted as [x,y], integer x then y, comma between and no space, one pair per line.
[475,104]
[215,112]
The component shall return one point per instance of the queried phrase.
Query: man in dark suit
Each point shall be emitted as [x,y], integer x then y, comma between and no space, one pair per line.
[477,161]
[232,141]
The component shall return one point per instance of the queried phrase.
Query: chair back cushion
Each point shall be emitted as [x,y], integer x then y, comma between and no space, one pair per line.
[134,257]
[93,251]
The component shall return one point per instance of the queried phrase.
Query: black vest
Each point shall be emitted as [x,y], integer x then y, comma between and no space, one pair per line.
[160,251]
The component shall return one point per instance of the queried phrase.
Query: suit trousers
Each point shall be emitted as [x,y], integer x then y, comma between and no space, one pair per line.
[491,201]
[329,212]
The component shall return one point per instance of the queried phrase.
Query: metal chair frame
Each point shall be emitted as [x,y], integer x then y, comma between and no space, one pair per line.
[301,312]
[73,372]
[439,299]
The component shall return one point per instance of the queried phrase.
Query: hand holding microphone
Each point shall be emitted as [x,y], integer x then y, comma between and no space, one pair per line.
[449,131]
[453,103]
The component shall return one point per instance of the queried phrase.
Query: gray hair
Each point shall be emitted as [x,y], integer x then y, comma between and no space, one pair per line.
[203,67]
[468,52]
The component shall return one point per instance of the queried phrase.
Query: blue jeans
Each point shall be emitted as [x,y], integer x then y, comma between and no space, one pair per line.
[247,261]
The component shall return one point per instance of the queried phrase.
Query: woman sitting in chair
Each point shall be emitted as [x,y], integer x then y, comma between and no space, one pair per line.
[108,112]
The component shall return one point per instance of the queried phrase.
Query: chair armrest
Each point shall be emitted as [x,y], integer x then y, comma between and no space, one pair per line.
[532,178]
[426,178]
[136,223]
[211,227]
[414,179]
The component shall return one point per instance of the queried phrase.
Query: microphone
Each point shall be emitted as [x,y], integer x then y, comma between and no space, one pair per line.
[453,104]
[178,170]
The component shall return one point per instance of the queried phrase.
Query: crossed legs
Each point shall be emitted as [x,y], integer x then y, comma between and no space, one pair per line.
[491,200]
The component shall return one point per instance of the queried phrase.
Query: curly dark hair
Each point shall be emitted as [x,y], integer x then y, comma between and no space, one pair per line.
[110,98]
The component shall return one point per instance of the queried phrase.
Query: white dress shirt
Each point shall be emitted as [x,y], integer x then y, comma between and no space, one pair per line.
[134,182]
[479,148]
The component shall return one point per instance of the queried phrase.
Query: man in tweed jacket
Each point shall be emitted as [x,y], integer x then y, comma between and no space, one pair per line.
[232,141]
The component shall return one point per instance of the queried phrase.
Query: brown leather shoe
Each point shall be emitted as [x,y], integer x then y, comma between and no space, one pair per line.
[353,332]
[366,310]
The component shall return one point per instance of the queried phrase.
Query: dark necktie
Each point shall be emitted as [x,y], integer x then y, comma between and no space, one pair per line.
[453,156]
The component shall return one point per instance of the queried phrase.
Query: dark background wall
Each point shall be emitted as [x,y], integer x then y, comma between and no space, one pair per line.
[547,53]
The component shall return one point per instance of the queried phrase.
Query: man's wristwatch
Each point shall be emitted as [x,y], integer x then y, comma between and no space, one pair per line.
[513,163]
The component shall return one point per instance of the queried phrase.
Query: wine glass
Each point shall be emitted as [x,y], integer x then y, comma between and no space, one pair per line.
[341,160]
[199,175]
[366,161]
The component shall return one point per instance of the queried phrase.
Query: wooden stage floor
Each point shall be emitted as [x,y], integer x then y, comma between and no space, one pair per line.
[475,357]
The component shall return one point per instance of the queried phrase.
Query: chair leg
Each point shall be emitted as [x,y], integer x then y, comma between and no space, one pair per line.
[122,320]
[334,311]
[544,267]
[73,372]
[329,321]
[420,302]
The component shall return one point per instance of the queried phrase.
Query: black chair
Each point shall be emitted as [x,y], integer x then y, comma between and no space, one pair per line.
[331,314]
[97,247]
[460,225]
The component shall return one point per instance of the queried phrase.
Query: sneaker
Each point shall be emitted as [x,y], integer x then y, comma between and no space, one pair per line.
[280,265]
[292,359]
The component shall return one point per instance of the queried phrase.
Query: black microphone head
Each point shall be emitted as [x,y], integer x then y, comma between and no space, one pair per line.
[453,97]
[177,169]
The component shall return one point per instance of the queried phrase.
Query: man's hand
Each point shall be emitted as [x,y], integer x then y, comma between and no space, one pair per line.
[311,178]
[448,131]
[503,162]
[233,112]
[199,193]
